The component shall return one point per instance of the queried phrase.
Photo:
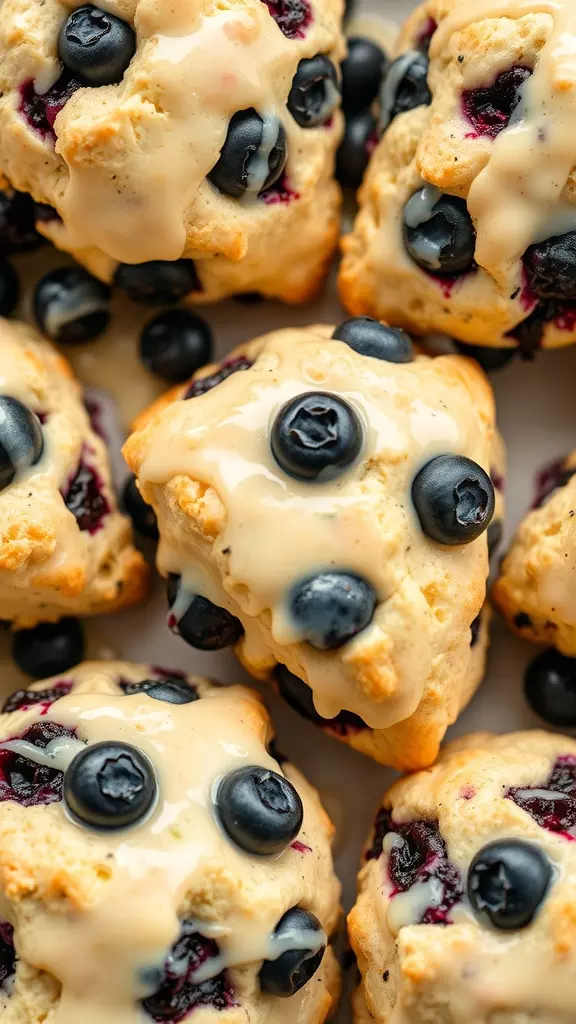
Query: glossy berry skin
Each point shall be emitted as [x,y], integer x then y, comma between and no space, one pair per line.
[21,439]
[141,513]
[315,92]
[316,436]
[369,337]
[507,882]
[292,970]
[360,138]
[490,359]
[9,288]
[175,344]
[550,688]
[237,170]
[551,267]
[446,242]
[96,46]
[158,282]
[71,306]
[331,608]
[49,648]
[171,691]
[405,87]
[454,499]
[203,625]
[362,72]
[110,785]
[259,810]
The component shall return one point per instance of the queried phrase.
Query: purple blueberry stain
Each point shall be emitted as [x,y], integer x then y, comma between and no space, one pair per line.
[84,495]
[292,16]
[203,384]
[7,952]
[549,479]
[553,804]
[300,847]
[25,782]
[279,193]
[489,109]
[424,37]
[23,700]
[41,110]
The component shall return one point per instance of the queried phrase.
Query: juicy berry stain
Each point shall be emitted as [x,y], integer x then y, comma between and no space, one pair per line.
[424,37]
[26,782]
[204,384]
[292,16]
[552,805]
[85,498]
[40,112]
[22,700]
[489,110]
[7,952]
[279,192]
[177,996]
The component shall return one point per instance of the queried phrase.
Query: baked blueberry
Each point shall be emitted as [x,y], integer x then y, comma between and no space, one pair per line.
[490,359]
[405,87]
[259,809]
[359,139]
[439,237]
[291,16]
[489,109]
[158,282]
[84,495]
[27,698]
[507,881]
[9,288]
[454,499]
[316,436]
[18,215]
[551,267]
[172,691]
[362,72]
[175,344]
[253,155]
[202,624]
[71,306]
[203,384]
[315,92]
[289,972]
[25,781]
[331,608]
[178,993]
[21,440]
[371,338]
[110,785]
[49,648]
[299,696]
[7,953]
[550,688]
[141,513]
[96,45]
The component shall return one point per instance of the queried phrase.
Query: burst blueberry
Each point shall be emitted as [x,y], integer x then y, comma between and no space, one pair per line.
[551,267]
[96,46]
[405,87]
[71,306]
[454,499]
[110,785]
[259,810]
[316,436]
[315,92]
[507,882]
[175,344]
[369,337]
[21,439]
[331,608]
[489,109]
[289,972]
[158,282]
[240,167]
[441,238]
[49,648]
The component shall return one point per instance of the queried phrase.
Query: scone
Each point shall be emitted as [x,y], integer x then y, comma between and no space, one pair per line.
[157,858]
[467,906]
[467,217]
[184,150]
[322,499]
[65,549]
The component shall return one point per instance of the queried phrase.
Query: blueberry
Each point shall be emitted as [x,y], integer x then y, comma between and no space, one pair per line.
[175,344]
[454,499]
[96,46]
[253,155]
[21,441]
[292,970]
[551,267]
[550,687]
[141,513]
[315,93]
[49,648]
[260,810]
[71,306]
[9,288]
[316,435]
[297,694]
[489,358]
[110,785]
[158,282]
[507,881]
[371,338]
[203,625]
[404,87]
[18,216]
[440,238]
[171,691]
[362,72]
[360,137]
[331,608]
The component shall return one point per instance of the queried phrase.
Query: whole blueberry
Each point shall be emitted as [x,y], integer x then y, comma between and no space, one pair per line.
[96,45]
[550,688]
[49,648]
[110,785]
[141,513]
[362,72]
[171,691]
[454,499]
[405,87]
[260,810]
[9,288]
[371,338]
[551,267]
[175,344]
[289,972]
[440,239]
[203,625]
[331,608]
[359,139]
[490,359]
[507,881]
[253,155]
[21,440]
[316,436]
[158,282]
[315,92]
[71,306]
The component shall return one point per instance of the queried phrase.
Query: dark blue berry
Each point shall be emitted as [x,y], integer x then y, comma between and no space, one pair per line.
[489,109]
[9,288]
[371,338]
[298,695]
[158,282]
[203,625]
[71,306]
[490,359]
[495,532]
[551,267]
[359,139]
[315,92]
[507,881]
[331,608]
[203,384]
[49,648]
[362,72]
[172,691]
[96,45]
[110,785]
[21,440]
[292,970]
[440,239]
[252,157]
[259,809]
[404,87]
[454,499]
[18,215]
[316,436]
[550,687]
[175,344]
[141,513]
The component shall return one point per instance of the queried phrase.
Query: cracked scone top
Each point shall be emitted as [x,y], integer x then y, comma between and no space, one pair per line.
[315,510]
[467,218]
[156,860]
[117,121]
[64,546]
[466,907]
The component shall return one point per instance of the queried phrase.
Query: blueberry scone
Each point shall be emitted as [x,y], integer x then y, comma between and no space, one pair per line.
[182,150]
[467,222]
[157,857]
[64,546]
[323,499]
[467,907]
